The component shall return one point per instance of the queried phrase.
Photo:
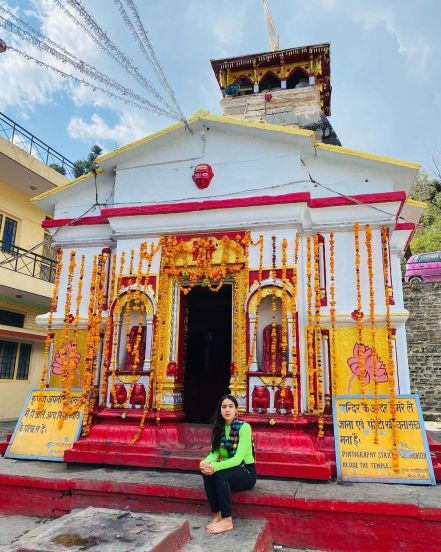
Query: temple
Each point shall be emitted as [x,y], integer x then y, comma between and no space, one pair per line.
[245,252]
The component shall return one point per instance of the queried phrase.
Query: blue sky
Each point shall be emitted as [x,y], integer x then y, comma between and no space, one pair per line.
[385,69]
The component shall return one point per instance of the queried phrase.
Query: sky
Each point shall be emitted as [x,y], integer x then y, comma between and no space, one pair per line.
[385,70]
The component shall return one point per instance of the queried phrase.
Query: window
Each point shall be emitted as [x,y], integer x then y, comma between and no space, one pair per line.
[429,258]
[14,360]
[8,318]
[8,231]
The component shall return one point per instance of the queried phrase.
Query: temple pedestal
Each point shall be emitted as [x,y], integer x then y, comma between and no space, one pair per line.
[286,448]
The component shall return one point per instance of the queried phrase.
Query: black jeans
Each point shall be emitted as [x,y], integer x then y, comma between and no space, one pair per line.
[218,486]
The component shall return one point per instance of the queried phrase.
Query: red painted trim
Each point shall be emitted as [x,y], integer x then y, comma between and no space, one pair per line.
[72,222]
[337,201]
[23,335]
[405,226]
[168,208]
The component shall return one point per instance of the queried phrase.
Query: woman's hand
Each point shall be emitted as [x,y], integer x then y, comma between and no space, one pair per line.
[206,468]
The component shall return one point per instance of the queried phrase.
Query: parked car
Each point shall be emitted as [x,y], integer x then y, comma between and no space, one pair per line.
[425,267]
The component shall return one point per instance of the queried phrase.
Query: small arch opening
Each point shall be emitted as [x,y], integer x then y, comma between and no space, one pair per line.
[297,79]
[269,81]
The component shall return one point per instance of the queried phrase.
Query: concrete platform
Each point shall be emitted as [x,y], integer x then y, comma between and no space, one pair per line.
[107,530]
[301,514]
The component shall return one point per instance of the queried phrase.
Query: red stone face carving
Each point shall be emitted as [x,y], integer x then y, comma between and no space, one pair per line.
[260,399]
[120,396]
[202,175]
[138,395]
[285,405]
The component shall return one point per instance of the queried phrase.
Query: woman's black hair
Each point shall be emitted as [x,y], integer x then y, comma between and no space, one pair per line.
[219,422]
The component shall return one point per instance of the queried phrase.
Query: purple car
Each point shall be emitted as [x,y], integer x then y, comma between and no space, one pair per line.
[425,267]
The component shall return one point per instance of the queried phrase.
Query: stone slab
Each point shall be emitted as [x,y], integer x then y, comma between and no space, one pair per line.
[107,530]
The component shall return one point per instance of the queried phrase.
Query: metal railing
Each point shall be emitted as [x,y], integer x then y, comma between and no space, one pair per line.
[23,139]
[25,262]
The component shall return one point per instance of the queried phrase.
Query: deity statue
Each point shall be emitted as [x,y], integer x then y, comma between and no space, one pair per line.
[138,395]
[267,355]
[130,356]
[174,371]
[260,399]
[119,397]
[283,405]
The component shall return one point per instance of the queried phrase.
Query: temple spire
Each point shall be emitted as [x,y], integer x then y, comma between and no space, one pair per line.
[271,28]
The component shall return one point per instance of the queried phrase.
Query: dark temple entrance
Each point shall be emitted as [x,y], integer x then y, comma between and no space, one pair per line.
[207,354]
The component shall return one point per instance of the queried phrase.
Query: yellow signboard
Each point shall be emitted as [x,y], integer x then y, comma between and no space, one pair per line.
[37,436]
[360,459]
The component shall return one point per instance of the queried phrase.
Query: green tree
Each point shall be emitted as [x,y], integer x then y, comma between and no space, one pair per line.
[427,236]
[84,166]
[58,168]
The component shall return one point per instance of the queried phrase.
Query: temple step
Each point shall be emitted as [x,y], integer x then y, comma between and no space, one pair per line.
[181,446]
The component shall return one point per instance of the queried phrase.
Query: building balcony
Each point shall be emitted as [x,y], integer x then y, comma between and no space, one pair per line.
[26,271]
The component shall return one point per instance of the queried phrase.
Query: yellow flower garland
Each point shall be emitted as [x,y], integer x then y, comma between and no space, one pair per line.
[309,330]
[390,362]
[294,359]
[359,312]
[332,303]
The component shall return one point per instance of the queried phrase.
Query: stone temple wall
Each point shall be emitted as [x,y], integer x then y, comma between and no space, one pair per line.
[424,344]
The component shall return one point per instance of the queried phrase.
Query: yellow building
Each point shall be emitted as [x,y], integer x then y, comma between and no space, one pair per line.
[26,274]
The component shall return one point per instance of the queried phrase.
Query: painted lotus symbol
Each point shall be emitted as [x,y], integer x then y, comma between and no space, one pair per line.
[73,356]
[354,365]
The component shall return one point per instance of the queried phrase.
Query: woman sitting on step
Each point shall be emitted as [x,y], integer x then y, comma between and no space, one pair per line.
[230,464]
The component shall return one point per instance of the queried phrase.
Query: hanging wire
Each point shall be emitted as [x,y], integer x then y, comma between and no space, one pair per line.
[146,47]
[96,33]
[78,80]
[80,65]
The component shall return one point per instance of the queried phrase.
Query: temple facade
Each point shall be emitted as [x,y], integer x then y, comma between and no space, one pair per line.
[237,252]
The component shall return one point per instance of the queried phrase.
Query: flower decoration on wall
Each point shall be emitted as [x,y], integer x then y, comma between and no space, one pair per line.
[69,351]
[354,365]
[356,314]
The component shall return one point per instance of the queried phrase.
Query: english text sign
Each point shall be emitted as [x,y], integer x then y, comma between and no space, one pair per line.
[359,458]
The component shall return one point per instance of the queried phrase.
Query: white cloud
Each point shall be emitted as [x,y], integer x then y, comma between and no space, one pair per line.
[130,127]
[228,26]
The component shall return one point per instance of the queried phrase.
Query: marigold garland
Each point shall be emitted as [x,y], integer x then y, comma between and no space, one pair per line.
[49,335]
[65,350]
[294,358]
[252,351]
[359,313]
[390,362]
[332,304]
[372,321]
[274,311]
[108,334]
[309,330]
[284,338]
[317,332]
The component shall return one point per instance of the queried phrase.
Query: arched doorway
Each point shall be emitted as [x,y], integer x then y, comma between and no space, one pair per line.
[207,350]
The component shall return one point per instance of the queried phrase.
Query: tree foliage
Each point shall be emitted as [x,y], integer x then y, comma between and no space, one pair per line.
[427,236]
[84,166]
[59,168]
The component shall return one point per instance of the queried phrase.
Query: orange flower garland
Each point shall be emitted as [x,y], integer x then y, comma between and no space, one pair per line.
[274,309]
[49,335]
[332,304]
[65,350]
[390,362]
[309,330]
[284,343]
[359,312]
[372,321]
[259,298]
[294,359]
[107,334]
[317,333]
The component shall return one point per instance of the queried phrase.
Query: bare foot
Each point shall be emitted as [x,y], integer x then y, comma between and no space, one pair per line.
[217,517]
[225,524]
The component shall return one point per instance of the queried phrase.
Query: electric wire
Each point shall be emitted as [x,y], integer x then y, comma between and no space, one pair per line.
[81,66]
[147,48]
[100,37]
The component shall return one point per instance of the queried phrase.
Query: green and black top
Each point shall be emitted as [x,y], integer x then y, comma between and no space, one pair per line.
[236,447]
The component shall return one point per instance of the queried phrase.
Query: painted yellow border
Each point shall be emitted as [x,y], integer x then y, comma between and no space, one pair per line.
[65,186]
[369,156]
[202,114]
[416,203]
